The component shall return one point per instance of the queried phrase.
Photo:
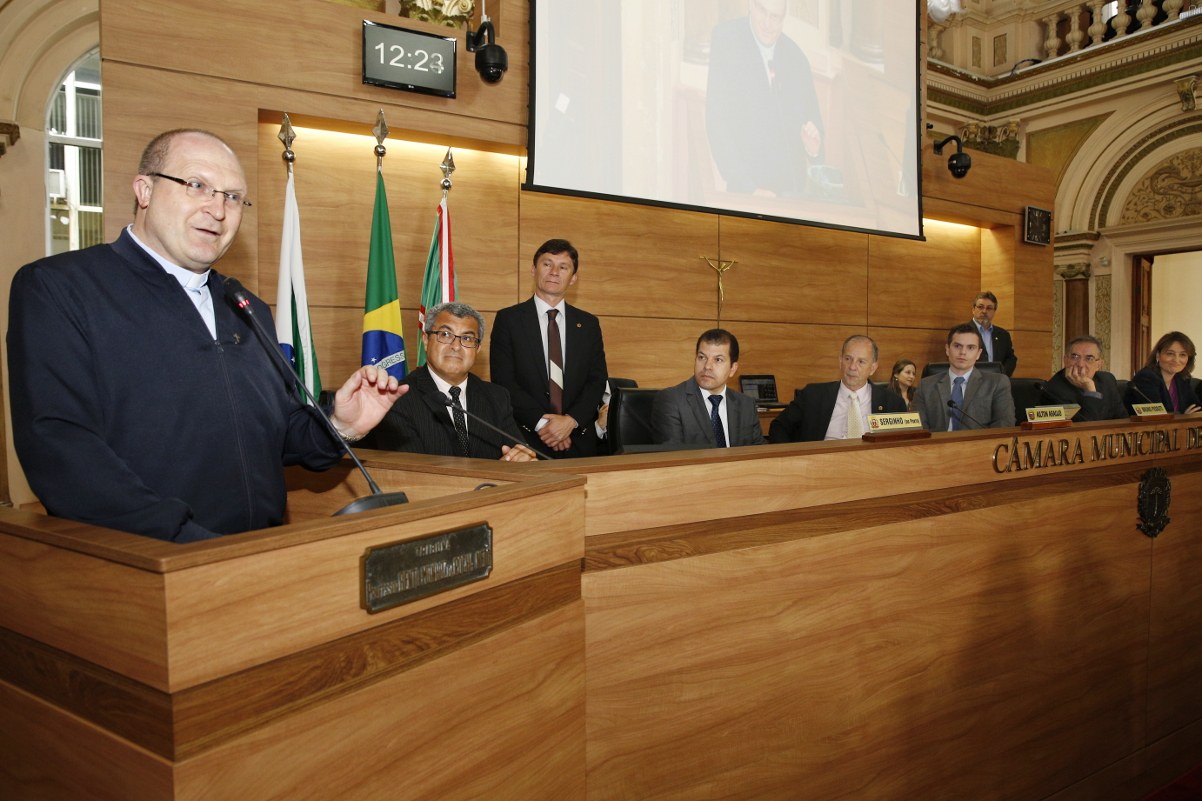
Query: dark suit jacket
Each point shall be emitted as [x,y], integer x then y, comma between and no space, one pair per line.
[1152,383]
[419,422]
[754,131]
[678,416]
[1059,391]
[809,415]
[518,363]
[987,398]
[1003,351]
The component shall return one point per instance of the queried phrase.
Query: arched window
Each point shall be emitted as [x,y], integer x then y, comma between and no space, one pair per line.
[74,171]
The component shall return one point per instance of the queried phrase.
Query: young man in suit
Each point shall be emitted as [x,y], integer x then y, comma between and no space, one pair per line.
[984,397]
[424,423]
[824,411]
[1085,383]
[702,409]
[998,347]
[551,358]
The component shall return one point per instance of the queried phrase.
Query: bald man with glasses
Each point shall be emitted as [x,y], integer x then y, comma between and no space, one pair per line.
[142,399]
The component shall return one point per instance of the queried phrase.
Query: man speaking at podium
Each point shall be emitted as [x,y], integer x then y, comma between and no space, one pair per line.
[142,400]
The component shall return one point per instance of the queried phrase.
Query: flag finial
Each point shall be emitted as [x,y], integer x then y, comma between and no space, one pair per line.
[287,135]
[448,167]
[381,132]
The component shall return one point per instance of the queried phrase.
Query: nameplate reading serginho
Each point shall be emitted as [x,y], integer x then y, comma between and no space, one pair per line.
[405,571]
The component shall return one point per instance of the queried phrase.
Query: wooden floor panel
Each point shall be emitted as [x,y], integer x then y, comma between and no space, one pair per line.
[991,659]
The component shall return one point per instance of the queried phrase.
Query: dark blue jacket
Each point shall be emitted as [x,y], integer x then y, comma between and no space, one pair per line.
[128,414]
[1151,382]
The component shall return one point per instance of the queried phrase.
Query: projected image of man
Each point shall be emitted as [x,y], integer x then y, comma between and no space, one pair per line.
[762,116]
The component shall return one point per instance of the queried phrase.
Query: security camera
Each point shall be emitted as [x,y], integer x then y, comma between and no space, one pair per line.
[491,58]
[959,162]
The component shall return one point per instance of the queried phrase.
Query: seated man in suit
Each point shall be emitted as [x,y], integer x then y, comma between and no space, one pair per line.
[425,424]
[983,397]
[1085,383]
[997,344]
[824,411]
[702,409]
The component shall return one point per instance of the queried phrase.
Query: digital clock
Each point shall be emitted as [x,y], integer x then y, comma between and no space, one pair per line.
[411,60]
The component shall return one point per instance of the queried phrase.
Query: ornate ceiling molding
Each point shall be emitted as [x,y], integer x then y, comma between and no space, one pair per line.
[1131,158]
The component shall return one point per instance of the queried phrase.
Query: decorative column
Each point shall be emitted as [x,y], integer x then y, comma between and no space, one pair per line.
[1051,45]
[1076,299]
[935,41]
[1097,28]
[1147,10]
[1121,20]
[1076,36]
[1172,8]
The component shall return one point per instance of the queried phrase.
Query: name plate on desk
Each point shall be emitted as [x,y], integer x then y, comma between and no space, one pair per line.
[1146,409]
[881,423]
[405,571]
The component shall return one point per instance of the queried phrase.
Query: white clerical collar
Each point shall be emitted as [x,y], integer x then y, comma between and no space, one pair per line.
[187,278]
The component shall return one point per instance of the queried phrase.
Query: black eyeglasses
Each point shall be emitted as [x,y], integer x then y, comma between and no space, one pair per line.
[196,189]
[446,338]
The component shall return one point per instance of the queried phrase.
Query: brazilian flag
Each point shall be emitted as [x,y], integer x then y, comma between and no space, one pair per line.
[383,339]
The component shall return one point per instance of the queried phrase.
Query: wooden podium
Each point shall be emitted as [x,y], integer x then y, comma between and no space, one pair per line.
[245,668]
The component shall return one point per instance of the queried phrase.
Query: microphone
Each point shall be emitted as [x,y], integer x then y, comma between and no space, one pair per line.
[951,404]
[1134,386]
[1042,387]
[451,405]
[377,499]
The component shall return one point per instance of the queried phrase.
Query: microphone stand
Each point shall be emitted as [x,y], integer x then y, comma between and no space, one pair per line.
[451,405]
[951,404]
[377,499]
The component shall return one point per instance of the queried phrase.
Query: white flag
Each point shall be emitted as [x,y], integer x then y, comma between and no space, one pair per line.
[292,302]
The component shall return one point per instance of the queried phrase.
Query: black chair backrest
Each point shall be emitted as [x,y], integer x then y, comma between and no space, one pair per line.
[626,383]
[1025,395]
[630,417]
[1122,383]
[942,367]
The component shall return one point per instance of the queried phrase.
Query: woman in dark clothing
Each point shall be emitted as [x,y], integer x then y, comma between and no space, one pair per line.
[1166,377]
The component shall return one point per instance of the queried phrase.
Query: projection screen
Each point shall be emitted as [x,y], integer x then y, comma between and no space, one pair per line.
[795,110]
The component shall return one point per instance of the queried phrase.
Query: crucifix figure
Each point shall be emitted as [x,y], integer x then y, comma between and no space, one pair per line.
[720,267]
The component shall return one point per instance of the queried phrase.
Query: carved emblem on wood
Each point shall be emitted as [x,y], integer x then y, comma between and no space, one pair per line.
[1173,189]
[1154,492]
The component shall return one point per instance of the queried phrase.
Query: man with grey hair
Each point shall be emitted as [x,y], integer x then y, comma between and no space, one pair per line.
[422,422]
[838,409]
[1085,383]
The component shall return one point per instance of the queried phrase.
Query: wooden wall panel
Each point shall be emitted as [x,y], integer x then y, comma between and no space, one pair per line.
[516,701]
[924,284]
[1033,271]
[997,270]
[335,177]
[635,261]
[993,182]
[1034,350]
[660,353]
[315,47]
[1175,649]
[701,672]
[794,273]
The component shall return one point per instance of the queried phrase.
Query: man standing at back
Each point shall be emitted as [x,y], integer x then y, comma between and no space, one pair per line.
[142,399]
[982,399]
[996,343]
[551,358]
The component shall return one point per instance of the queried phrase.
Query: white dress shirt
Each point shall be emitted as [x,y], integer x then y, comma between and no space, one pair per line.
[709,409]
[837,429]
[445,389]
[195,284]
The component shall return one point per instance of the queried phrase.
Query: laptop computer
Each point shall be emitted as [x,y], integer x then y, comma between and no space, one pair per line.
[761,389]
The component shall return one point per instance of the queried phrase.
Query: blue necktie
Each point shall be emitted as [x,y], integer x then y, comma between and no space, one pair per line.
[958,398]
[716,421]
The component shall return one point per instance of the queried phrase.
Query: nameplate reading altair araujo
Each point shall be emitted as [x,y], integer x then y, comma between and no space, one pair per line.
[406,571]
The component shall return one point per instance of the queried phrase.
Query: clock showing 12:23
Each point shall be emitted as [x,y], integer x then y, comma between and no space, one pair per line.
[410,60]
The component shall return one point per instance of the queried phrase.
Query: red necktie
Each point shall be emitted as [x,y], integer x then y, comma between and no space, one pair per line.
[554,348]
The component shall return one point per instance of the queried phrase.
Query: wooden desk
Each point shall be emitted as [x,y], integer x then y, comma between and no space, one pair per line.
[895,621]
